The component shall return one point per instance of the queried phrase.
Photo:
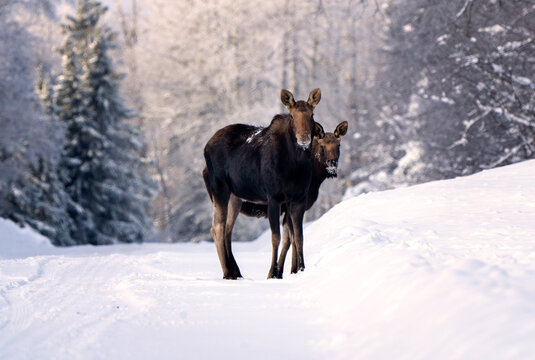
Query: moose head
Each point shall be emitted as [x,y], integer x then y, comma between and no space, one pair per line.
[326,148]
[301,111]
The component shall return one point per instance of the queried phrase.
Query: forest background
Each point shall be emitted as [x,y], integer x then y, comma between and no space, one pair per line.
[431,90]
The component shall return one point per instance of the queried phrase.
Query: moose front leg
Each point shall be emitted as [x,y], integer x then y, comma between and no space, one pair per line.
[288,228]
[297,212]
[294,258]
[286,240]
[274,223]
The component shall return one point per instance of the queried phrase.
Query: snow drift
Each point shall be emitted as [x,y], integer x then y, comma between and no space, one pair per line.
[443,270]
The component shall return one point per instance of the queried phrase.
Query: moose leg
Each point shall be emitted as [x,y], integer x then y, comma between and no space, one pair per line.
[297,212]
[294,252]
[218,230]
[286,236]
[234,206]
[274,223]
[288,239]
[293,269]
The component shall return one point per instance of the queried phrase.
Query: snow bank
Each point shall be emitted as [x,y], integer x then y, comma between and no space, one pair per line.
[442,270]
[21,242]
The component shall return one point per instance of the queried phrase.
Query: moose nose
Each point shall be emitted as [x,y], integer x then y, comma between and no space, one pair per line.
[304,142]
[332,163]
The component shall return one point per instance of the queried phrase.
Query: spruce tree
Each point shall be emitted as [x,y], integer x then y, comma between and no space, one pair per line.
[70,110]
[102,169]
[36,195]
[38,199]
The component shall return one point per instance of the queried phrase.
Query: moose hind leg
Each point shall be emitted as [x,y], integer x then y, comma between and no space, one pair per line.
[218,231]
[234,206]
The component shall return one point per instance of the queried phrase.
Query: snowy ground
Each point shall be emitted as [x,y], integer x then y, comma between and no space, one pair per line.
[444,270]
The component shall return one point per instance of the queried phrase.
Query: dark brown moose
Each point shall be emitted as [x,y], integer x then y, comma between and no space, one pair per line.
[325,152]
[271,166]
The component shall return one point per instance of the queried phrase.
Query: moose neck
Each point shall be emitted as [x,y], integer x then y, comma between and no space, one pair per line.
[319,173]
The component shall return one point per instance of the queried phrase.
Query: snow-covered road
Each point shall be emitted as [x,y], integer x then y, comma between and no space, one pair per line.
[143,302]
[444,270]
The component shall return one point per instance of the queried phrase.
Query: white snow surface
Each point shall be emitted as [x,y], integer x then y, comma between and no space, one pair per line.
[443,270]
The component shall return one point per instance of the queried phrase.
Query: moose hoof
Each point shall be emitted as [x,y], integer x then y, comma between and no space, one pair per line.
[273,273]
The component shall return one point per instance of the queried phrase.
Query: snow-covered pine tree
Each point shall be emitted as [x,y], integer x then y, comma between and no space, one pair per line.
[30,190]
[69,108]
[461,79]
[103,170]
[38,199]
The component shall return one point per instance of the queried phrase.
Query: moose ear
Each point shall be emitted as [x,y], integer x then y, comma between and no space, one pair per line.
[318,130]
[341,129]
[314,97]
[287,99]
